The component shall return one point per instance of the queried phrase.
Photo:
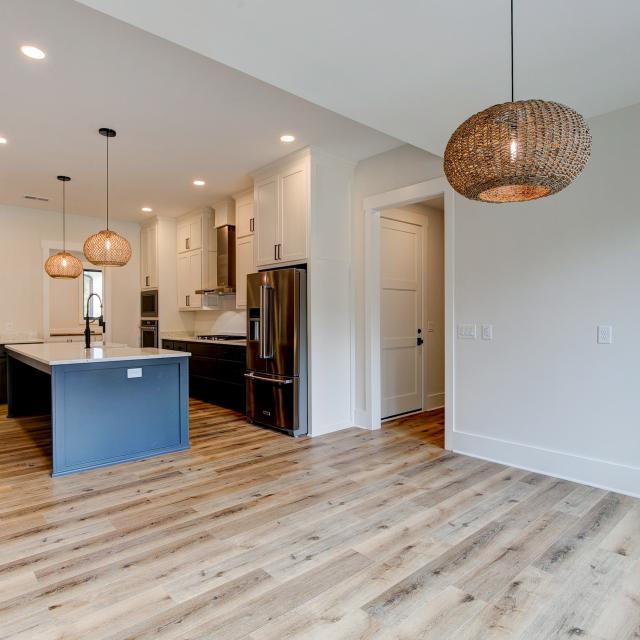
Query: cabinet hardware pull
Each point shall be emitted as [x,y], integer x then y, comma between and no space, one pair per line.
[146,279]
[275,251]
[188,302]
[279,252]
[187,243]
[252,224]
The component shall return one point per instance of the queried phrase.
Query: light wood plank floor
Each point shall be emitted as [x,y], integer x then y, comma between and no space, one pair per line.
[354,535]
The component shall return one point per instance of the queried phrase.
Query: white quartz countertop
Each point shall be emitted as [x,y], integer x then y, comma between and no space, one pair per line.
[179,337]
[13,339]
[54,353]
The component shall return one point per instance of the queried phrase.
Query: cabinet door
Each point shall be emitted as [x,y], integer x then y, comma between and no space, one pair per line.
[266,225]
[184,230]
[151,249]
[144,257]
[244,218]
[195,279]
[195,233]
[183,280]
[245,264]
[294,214]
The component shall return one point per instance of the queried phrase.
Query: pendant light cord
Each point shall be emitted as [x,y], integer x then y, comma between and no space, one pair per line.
[64,226]
[108,180]
[512,93]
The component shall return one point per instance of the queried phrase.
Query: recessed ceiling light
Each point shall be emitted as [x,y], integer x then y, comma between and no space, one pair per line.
[3,141]
[32,52]
[287,137]
[199,183]
[147,209]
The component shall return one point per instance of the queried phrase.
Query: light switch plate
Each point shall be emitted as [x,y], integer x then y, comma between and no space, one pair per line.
[467,331]
[487,332]
[134,373]
[605,334]
[430,326]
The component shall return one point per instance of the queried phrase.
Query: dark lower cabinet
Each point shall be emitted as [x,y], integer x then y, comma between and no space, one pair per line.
[216,372]
[3,375]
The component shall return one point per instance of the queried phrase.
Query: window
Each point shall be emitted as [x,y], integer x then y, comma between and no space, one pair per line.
[92,282]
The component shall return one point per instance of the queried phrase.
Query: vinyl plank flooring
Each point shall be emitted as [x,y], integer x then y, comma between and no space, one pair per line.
[355,535]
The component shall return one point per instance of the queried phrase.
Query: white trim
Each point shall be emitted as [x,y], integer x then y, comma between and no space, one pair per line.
[613,476]
[434,401]
[372,206]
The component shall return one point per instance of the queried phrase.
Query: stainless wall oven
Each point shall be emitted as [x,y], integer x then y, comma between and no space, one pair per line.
[149,303]
[276,376]
[149,333]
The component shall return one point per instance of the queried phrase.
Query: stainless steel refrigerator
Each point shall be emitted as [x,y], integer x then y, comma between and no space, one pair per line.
[276,376]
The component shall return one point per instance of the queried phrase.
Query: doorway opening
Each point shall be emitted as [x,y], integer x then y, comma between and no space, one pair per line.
[412,395]
[412,316]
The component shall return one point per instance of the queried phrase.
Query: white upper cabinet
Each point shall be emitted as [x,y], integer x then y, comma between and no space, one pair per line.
[294,214]
[196,258]
[245,264]
[190,234]
[149,256]
[244,214]
[267,214]
[282,213]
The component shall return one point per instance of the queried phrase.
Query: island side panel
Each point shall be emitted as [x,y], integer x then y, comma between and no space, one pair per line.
[104,413]
[28,389]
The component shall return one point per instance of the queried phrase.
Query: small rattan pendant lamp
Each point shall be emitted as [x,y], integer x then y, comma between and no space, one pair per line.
[517,151]
[107,248]
[63,264]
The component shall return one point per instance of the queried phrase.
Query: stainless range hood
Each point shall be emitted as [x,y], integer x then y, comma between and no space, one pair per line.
[226,262]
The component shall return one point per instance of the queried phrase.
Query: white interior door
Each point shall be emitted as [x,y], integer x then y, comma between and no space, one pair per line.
[401,316]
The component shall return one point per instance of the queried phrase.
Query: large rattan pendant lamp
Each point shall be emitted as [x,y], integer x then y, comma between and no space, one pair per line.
[63,264]
[517,151]
[107,248]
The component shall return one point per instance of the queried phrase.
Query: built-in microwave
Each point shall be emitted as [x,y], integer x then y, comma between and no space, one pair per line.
[149,303]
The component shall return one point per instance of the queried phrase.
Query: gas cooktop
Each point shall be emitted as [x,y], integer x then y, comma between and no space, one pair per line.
[220,337]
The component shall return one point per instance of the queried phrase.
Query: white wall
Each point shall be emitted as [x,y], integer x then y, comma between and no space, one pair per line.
[543,395]
[22,231]
[227,320]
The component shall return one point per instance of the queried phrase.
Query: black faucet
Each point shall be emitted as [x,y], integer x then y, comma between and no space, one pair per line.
[101,322]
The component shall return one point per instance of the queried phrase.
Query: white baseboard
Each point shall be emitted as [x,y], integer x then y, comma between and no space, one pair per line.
[610,476]
[434,401]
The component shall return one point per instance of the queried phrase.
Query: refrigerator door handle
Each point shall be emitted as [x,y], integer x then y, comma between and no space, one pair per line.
[266,348]
[254,376]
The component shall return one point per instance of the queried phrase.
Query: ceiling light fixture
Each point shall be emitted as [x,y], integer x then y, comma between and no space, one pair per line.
[3,141]
[33,52]
[287,137]
[199,183]
[63,264]
[107,248]
[147,209]
[517,151]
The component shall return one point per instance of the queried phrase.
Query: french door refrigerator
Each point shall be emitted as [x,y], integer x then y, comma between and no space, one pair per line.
[276,376]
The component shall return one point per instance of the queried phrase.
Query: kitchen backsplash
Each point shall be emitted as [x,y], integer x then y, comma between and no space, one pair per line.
[229,321]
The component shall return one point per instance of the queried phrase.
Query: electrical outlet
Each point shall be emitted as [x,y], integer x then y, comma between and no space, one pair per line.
[487,332]
[467,331]
[605,334]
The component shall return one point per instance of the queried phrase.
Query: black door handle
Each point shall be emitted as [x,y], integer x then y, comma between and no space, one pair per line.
[419,340]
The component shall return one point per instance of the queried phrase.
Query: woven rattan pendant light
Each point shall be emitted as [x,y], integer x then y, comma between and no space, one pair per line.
[517,151]
[63,264]
[107,248]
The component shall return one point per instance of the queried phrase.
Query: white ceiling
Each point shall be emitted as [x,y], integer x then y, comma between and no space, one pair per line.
[179,116]
[412,68]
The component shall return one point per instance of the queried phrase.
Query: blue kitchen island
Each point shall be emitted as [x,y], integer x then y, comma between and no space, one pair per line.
[108,404]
